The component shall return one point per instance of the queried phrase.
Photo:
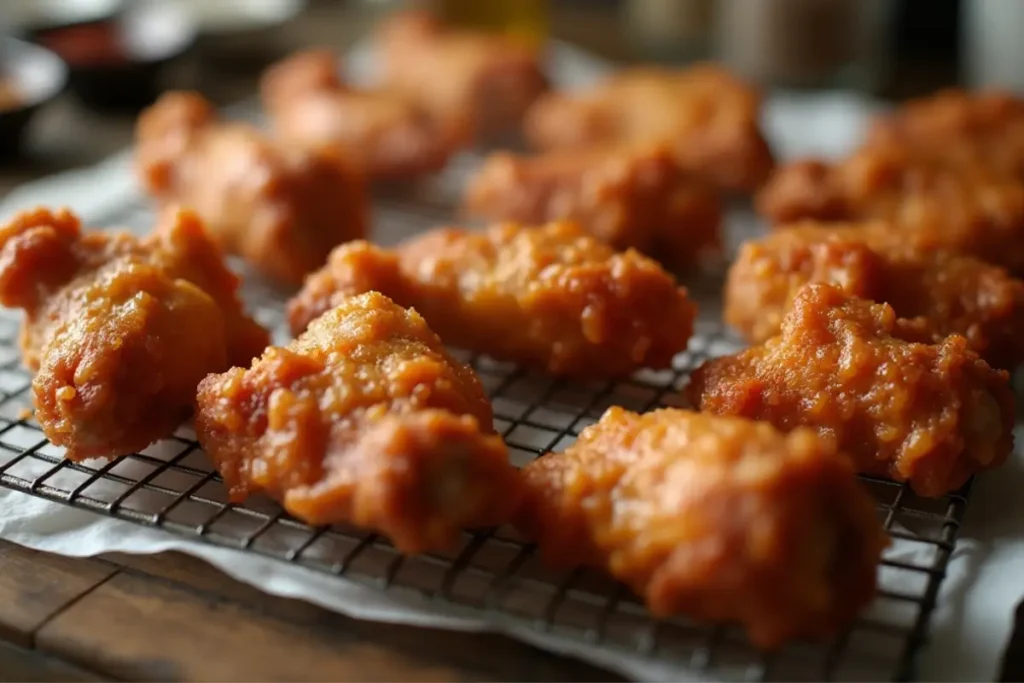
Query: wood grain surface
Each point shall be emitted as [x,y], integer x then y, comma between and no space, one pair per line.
[19,664]
[171,617]
[35,587]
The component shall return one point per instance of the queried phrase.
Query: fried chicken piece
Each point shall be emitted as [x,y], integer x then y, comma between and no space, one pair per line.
[385,133]
[931,415]
[981,128]
[936,293]
[298,75]
[364,419]
[552,297]
[718,518]
[934,203]
[707,115]
[120,330]
[626,196]
[480,82]
[281,208]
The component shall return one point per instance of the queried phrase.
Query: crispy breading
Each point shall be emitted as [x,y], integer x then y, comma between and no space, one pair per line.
[479,82]
[977,128]
[118,330]
[937,293]
[931,415]
[553,297]
[717,518]
[299,74]
[707,115]
[386,134]
[627,196]
[933,201]
[280,207]
[363,419]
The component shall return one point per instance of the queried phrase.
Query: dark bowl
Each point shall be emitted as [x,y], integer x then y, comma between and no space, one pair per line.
[116,61]
[35,75]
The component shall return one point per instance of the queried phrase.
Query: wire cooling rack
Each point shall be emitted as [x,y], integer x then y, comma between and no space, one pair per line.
[172,486]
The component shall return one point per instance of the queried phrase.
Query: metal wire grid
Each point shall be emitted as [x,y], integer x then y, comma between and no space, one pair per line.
[172,486]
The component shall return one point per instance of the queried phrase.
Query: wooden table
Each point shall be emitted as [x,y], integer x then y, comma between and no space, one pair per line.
[171,617]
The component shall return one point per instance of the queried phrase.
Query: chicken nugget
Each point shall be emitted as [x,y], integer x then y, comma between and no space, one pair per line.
[975,128]
[118,331]
[935,293]
[626,196]
[928,414]
[385,133]
[480,82]
[298,75]
[280,207]
[932,202]
[721,519]
[707,115]
[553,297]
[364,419]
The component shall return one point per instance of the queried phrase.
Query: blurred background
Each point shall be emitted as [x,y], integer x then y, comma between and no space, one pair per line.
[114,56]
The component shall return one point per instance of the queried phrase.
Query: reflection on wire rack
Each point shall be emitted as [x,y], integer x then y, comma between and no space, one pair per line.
[171,485]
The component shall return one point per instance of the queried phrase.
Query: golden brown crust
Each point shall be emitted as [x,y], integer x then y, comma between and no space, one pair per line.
[387,135]
[932,415]
[552,297]
[111,326]
[626,196]
[933,204]
[304,72]
[282,208]
[938,293]
[707,115]
[476,82]
[945,171]
[363,419]
[976,128]
[720,519]
[181,245]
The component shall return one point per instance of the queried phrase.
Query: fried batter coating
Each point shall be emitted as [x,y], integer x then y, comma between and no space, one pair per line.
[385,133]
[119,330]
[551,297]
[936,293]
[721,519]
[480,82]
[981,128]
[280,207]
[298,75]
[707,115]
[626,196]
[933,202]
[931,415]
[364,419]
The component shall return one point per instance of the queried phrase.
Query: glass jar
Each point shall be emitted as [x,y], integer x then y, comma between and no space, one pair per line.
[805,43]
[524,19]
[670,30]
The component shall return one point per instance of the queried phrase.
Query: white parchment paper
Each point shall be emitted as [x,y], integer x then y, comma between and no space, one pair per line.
[974,609]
